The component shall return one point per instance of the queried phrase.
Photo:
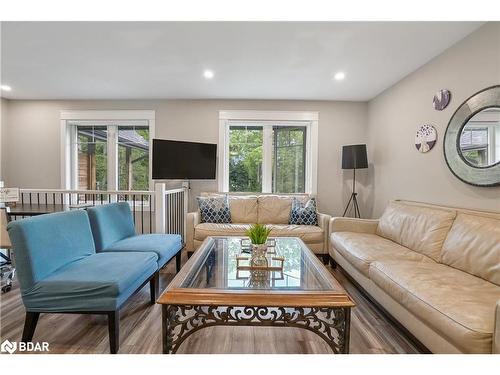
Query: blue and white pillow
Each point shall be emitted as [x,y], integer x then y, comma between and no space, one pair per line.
[304,213]
[214,209]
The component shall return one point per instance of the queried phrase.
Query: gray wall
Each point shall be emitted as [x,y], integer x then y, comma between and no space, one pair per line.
[31,137]
[402,172]
[3,118]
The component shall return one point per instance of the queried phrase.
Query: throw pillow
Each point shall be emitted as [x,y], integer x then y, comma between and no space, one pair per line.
[304,213]
[214,209]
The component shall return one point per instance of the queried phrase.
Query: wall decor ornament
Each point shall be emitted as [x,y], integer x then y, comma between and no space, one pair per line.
[425,139]
[441,99]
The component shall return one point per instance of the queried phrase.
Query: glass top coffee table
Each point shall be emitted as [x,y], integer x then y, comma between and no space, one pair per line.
[210,290]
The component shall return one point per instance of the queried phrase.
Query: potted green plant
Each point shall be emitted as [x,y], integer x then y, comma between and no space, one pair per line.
[258,235]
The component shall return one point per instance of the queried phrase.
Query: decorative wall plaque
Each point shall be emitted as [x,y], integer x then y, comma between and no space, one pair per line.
[441,100]
[425,139]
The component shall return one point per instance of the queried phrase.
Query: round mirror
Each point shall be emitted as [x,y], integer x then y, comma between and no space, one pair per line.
[472,139]
[480,138]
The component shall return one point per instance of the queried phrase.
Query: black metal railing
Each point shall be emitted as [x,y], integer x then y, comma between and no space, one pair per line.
[34,202]
[173,208]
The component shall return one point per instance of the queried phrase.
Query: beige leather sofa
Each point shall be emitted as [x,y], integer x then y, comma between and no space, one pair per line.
[435,269]
[270,209]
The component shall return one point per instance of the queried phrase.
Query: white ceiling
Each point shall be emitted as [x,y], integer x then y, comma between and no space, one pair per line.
[251,60]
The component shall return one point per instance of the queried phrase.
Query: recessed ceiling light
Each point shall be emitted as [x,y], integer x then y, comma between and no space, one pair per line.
[5,88]
[339,76]
[208,74]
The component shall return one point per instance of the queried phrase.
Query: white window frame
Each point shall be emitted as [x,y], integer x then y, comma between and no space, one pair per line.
[112,119]
[310,120]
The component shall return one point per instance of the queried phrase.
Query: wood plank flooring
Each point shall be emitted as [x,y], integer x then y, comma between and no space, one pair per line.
[140,329]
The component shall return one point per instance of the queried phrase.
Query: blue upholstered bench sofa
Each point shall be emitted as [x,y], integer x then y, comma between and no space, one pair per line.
[59,269]
[113,229]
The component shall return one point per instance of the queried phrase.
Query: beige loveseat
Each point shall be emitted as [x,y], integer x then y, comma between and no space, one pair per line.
[435,269]
[270,209]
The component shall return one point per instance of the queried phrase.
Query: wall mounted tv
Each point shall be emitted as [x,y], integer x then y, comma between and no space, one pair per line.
[177,160]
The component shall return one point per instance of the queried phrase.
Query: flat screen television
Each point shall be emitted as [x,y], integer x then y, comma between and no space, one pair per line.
[178,160]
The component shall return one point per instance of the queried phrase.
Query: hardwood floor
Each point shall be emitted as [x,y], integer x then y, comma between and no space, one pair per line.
[140,329]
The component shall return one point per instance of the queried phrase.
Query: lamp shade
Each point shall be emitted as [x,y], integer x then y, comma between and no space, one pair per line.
[354,157]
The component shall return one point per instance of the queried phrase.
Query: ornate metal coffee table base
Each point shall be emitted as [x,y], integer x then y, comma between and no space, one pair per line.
[331,324]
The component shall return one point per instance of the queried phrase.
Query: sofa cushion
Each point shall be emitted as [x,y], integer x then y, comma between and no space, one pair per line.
[308,233]
[204,230]
[46,243]
[166,246]
[99,282]
[214,209]
[455,304]
[361,249]
[274,209]
[304,213]
[110,223]
[243,208]
[419,228]
[473,246]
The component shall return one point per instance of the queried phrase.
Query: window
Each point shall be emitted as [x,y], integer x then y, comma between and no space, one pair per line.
[91,145]
[133,158]
[107,154]
[245,158]
[269,155]
[96,147]
[289,159]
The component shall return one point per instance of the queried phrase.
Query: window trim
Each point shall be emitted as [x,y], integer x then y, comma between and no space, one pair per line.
[68,132]
[300,118]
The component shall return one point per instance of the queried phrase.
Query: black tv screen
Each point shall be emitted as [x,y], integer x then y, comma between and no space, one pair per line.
[179,160]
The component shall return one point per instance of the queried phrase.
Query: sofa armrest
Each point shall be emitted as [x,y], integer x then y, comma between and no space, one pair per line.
[496,332]
[192,220]
[324,223]
[348,224]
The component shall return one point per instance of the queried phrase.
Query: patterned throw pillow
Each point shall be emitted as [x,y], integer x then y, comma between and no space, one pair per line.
[214,209]
[303,213]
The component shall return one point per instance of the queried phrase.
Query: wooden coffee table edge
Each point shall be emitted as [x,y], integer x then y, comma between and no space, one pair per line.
[204,297]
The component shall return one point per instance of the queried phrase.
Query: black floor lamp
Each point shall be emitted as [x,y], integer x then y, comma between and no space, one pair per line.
[354,157]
